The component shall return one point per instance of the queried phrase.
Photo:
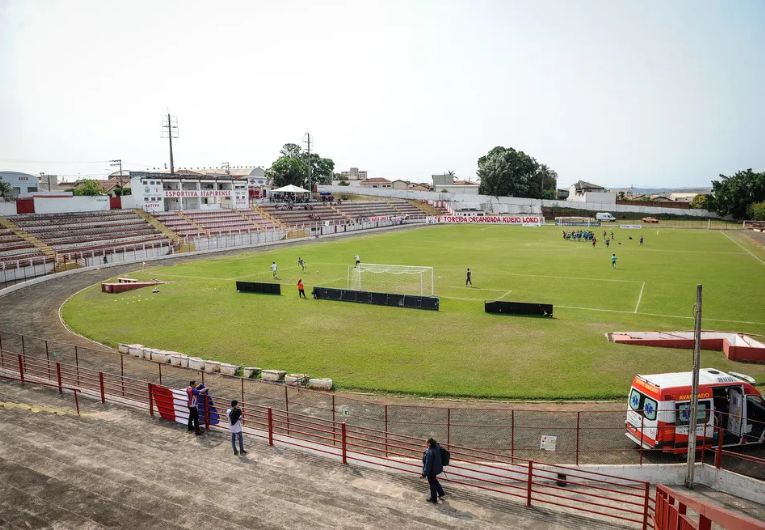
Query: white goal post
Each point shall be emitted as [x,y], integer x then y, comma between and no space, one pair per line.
[398,279]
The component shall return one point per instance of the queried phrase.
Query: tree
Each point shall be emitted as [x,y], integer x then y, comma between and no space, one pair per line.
[5,190]
[701,201]
[757,211]
[322,169]
[548,180]
[88,188]
[733,195]
[507,172]
[292,168]
[287,170]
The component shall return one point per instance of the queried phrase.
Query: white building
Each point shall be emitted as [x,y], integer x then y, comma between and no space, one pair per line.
[581,191]
[449,184]
[21,183]
[159,192]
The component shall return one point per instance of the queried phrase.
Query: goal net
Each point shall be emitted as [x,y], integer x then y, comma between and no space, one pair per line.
[758,226]
[398,279]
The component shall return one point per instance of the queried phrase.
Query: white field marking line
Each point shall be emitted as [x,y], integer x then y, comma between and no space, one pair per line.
[471,288]
[743,247]
[504,294]
[198,277]
[552,277]
[658,315]
[461,298]
[640,297]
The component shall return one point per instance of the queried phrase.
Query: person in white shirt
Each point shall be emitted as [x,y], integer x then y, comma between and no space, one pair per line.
[358,260]
[273,269]
[235,427]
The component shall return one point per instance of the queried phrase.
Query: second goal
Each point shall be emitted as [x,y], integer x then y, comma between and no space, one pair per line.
[398,279]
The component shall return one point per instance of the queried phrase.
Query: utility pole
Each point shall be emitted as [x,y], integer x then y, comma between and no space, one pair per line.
[308,150]
[694,391]
[117,162]
[170,131]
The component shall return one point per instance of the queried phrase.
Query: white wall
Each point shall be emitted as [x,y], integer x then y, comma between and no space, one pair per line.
[7,207]
[71,204]
[513,204]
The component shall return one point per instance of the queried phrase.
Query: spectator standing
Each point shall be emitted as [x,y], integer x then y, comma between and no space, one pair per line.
[193,394]
[301,289]
[235,426]
[431,467]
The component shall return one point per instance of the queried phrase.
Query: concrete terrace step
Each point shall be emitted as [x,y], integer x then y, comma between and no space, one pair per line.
[121,467]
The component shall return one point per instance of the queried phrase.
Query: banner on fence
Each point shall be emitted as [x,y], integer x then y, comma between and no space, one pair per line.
[487,219]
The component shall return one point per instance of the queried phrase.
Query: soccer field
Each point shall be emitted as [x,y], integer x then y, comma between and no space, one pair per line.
[459,350]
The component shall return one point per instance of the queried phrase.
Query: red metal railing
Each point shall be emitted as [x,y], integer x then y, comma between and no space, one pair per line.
[678,511]
[534,483]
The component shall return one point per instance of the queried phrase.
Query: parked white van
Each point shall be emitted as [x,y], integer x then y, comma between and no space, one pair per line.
[605,216]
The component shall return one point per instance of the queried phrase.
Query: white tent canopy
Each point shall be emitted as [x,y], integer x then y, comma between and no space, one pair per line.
[290,188]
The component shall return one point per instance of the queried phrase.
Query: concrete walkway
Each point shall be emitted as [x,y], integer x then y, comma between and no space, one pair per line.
[120,468]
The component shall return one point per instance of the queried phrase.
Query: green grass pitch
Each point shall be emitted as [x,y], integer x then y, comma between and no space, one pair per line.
[459,350]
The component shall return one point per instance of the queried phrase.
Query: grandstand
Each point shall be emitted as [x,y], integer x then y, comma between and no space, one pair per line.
[14,248]
[305,214]
[390,208]
[208,222]
[75,234]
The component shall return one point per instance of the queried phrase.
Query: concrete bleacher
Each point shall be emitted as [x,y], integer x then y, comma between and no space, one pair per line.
[204,222]
[119,468]
[14,249]
[364,209]
[75,234]
[304,214]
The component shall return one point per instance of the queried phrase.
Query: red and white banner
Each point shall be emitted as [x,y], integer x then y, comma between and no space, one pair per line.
[172,404]
[488,219]
[196,193]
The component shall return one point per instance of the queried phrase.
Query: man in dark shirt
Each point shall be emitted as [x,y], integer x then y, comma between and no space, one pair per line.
[432,466]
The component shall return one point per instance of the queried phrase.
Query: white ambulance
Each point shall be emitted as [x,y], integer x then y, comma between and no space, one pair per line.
[658,410]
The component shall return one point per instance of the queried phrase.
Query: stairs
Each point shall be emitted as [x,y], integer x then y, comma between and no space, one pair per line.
[340,212]
[265,215]
[426,208]
[246,219]
[47,251]
[199,227]
[117,467]
[172,236]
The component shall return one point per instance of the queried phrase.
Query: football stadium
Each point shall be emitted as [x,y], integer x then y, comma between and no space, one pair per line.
[400,265]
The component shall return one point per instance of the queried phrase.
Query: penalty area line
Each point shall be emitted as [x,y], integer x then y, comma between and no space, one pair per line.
[640,297]
[658,315]
[744,248]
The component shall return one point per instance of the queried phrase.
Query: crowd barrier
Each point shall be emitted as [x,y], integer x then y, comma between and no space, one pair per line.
[533,483]
[578,437]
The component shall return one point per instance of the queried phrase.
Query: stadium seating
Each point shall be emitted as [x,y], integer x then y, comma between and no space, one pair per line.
[302,214]
[13,248]
[204,222]
[76,234]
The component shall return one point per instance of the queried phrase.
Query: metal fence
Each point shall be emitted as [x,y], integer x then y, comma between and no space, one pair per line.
[19,271]
[571,437]
[595,495]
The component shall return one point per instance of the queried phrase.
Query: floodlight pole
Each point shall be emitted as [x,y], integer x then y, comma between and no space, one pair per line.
[694,391]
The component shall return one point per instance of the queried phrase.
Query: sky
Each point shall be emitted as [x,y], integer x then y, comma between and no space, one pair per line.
[649,93]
